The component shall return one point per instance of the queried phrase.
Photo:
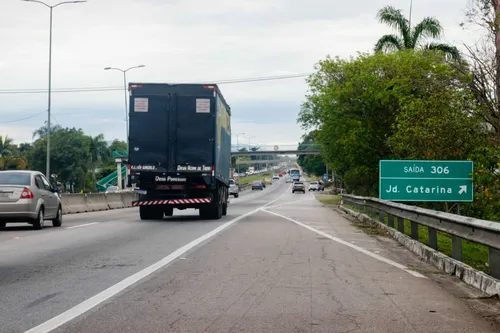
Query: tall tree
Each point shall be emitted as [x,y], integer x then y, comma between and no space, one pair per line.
[354,105]
[410,38]
[42,131]
[484,60]
[6,145]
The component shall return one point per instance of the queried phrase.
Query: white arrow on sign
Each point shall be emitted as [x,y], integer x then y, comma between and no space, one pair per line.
[463,189]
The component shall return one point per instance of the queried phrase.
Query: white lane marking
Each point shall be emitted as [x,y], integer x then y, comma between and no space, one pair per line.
[288,203]
[104,295]
[82,225]
[352,246]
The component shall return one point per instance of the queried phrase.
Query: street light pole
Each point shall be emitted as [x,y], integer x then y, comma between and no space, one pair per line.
[125,91]
[49,102]
[124,71]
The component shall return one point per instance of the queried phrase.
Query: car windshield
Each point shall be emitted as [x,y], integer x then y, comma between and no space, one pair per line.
[314,183]
[15,178]
[299,183]
[257,183]
[231,182]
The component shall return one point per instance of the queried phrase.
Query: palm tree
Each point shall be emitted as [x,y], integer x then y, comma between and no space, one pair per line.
[5,146]
[410,38]
[98,150]
[42,131]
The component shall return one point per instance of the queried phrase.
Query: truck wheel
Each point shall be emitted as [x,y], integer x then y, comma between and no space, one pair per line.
[150,213]
[217,211]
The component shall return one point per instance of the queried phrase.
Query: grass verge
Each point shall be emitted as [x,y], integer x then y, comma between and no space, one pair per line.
[473,254]
[328,199]
[251,179]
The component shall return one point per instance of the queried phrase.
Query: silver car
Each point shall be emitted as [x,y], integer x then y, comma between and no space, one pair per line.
[234,189]
[26,196]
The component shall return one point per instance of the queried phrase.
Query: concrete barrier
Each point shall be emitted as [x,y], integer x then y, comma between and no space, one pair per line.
[80,203]
[114,200]
[128,197]
[96,202]
[74,203]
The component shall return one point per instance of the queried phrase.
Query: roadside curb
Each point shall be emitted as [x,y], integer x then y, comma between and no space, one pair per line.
[479,280]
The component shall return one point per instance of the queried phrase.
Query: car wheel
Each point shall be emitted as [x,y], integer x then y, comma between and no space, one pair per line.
[39,222]
[236,195]
[57,222]
[3,224]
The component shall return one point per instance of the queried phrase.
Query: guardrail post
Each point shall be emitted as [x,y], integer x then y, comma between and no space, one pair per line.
[390,220]
[456,247]
[401,224]
[381,216]
[414,230]
[494,261]
[433,238]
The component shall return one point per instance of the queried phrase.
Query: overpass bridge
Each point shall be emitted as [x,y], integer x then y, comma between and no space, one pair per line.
[310,149]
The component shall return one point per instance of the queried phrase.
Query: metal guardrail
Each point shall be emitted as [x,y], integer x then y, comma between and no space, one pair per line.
[458,227]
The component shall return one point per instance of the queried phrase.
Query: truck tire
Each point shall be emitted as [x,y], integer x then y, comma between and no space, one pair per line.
[150,213]
[217,211]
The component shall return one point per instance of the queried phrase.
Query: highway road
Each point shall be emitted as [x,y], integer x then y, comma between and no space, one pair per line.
[278,262]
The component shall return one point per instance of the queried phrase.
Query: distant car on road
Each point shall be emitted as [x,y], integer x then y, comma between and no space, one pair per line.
[314,186]
[276,177]
[27,196]
[268,181]
[298,187]
[234,189]
[257,185]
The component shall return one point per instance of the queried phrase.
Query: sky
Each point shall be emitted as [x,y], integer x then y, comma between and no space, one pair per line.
[185,41]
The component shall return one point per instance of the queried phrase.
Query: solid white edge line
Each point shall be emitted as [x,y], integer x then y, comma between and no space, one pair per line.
[106,294]
[288,203]
[352,246]
[81,225]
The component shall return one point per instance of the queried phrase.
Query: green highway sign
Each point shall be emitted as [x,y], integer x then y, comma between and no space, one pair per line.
[410,180]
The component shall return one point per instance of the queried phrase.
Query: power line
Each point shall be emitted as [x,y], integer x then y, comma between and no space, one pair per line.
[21,119]
[100,89]
[103,89]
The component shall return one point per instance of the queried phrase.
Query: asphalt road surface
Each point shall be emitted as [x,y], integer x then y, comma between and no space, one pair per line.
[278,262]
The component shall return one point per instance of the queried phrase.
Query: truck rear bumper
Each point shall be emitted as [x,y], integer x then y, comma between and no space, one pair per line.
[172,202]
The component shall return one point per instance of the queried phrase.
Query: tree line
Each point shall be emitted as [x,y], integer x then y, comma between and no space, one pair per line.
[77,160]
[412,98]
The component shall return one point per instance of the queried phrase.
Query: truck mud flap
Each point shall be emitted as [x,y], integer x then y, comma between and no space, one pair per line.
[172,202]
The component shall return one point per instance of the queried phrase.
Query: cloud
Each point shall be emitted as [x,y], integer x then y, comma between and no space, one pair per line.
[185,41]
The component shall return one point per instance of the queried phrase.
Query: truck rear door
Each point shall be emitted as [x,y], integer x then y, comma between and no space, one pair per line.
[149,131]
[195,133]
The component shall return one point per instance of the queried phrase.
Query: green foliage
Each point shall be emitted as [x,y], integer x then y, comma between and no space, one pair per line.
[486,184]
[363,110]
[311,164]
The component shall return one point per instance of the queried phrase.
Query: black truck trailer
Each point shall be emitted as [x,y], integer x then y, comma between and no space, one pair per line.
[179,148]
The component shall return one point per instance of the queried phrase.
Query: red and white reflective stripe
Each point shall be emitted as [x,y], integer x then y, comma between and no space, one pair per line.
[171,202]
